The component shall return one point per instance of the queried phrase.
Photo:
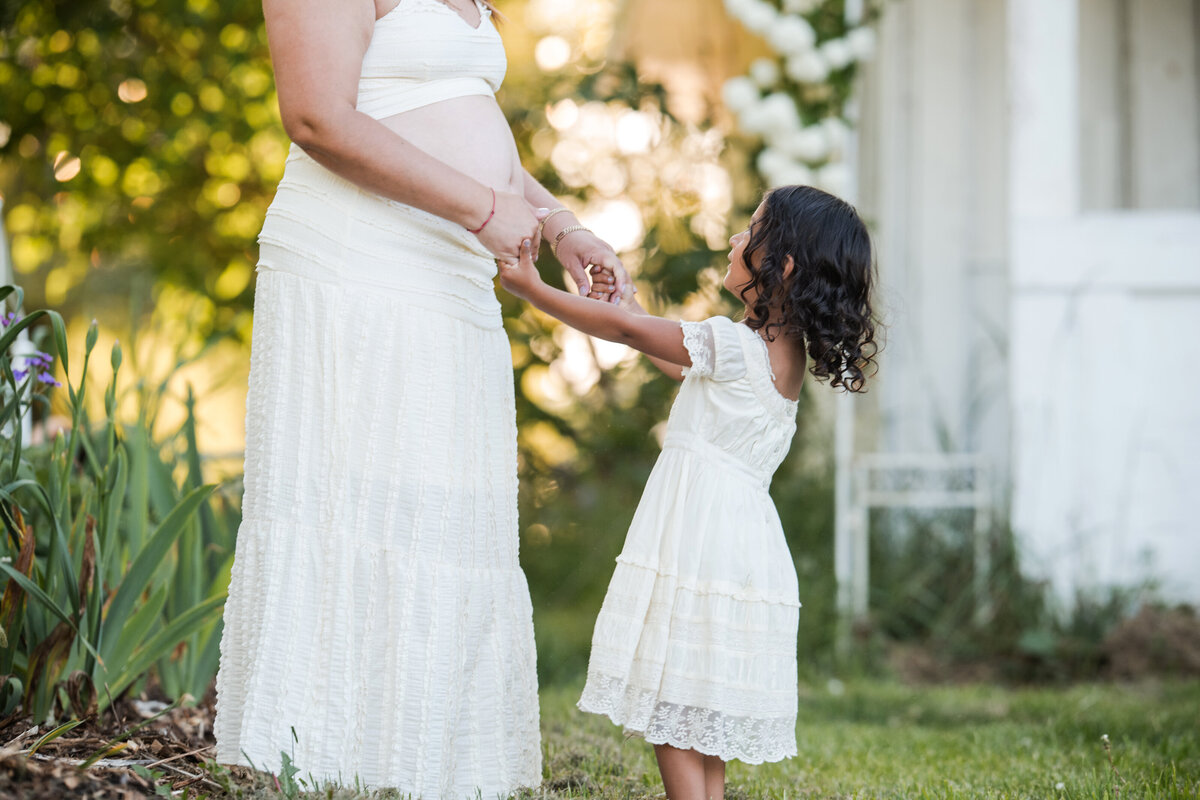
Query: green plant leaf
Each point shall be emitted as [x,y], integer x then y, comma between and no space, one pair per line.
[141,571]
[14,330]
[10,288]
[60,552]
[36,592]
[164,641]
[117,650]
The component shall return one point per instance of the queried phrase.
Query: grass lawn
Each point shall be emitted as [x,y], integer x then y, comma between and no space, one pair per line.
[871,739]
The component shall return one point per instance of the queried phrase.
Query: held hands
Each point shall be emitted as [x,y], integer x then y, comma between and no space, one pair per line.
[604,286]
[581,249]
[521,278]
[512,220]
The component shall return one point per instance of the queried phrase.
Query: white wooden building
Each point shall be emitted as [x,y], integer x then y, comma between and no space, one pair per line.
[1032,169]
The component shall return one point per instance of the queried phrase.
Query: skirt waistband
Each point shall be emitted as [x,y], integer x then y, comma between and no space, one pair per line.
[682,440]
[325,228]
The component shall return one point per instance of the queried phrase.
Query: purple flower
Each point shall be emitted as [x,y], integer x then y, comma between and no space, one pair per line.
[44,359]
[20,374]
[46,377]
[9,319]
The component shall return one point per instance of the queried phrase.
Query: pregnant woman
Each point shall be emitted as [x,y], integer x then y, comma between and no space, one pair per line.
[378,627]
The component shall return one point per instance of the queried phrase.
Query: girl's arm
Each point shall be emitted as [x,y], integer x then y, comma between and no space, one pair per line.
[317,49]
[656,337]
[669,368]
[579,249]
[603,279]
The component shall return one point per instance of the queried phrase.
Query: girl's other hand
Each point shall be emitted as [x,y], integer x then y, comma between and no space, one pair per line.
[522,277]
[514,221]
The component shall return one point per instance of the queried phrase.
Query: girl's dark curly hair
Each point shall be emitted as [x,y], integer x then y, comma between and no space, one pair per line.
[826,300]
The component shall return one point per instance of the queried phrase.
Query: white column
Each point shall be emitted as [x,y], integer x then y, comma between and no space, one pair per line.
[1044,197]
[849,567]
[1043,41]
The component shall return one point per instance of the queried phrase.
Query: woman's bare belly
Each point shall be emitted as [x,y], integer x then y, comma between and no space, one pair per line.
[469,134]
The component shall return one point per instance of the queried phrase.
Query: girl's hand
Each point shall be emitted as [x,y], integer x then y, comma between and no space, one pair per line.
[521,278]
[604,285]
[582,249]
[515,220]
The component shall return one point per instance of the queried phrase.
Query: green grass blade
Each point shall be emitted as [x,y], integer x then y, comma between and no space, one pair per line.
[103,752]
[50,736]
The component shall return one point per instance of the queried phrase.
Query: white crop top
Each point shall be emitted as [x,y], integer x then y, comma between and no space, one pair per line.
[422,52]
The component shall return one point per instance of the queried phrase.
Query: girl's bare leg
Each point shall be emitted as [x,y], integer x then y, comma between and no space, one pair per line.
[682,772]
[714,778]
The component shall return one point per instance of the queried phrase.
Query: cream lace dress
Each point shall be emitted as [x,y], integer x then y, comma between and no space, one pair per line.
[695,645]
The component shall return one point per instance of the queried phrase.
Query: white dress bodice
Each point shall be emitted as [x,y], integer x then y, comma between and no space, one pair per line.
[423,52]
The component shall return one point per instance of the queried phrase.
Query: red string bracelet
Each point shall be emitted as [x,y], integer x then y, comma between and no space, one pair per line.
[489,216]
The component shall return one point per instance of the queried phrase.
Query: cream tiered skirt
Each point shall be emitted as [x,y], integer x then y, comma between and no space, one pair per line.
[378,627]
[695,645]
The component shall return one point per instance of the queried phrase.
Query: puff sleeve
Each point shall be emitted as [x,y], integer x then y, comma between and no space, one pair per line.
[715,349]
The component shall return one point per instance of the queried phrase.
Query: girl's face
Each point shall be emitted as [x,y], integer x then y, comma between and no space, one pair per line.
[738,276]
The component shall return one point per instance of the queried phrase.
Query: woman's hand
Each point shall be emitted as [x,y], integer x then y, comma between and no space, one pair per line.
[522,277]
[579,250]
[514,221]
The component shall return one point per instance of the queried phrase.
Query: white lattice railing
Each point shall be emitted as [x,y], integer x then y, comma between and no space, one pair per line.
[918,481]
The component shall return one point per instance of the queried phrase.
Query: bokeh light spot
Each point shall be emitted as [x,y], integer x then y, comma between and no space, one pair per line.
[132,90]
[563,114]
[552,52]
[66,166]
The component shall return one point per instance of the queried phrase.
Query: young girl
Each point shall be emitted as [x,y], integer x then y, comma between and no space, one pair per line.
[695,646]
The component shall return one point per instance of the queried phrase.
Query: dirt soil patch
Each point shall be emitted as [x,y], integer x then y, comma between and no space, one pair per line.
[1157,641]
[121,754]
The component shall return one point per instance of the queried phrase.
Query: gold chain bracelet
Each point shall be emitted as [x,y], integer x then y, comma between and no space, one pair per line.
[564,232]
[546,218]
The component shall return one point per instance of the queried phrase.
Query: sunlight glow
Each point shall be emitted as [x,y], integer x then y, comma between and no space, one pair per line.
[618,222]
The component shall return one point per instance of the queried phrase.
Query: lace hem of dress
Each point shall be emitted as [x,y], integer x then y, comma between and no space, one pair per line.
[698,341]
[752,740]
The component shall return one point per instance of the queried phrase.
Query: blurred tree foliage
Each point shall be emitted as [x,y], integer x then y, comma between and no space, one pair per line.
[141,138]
